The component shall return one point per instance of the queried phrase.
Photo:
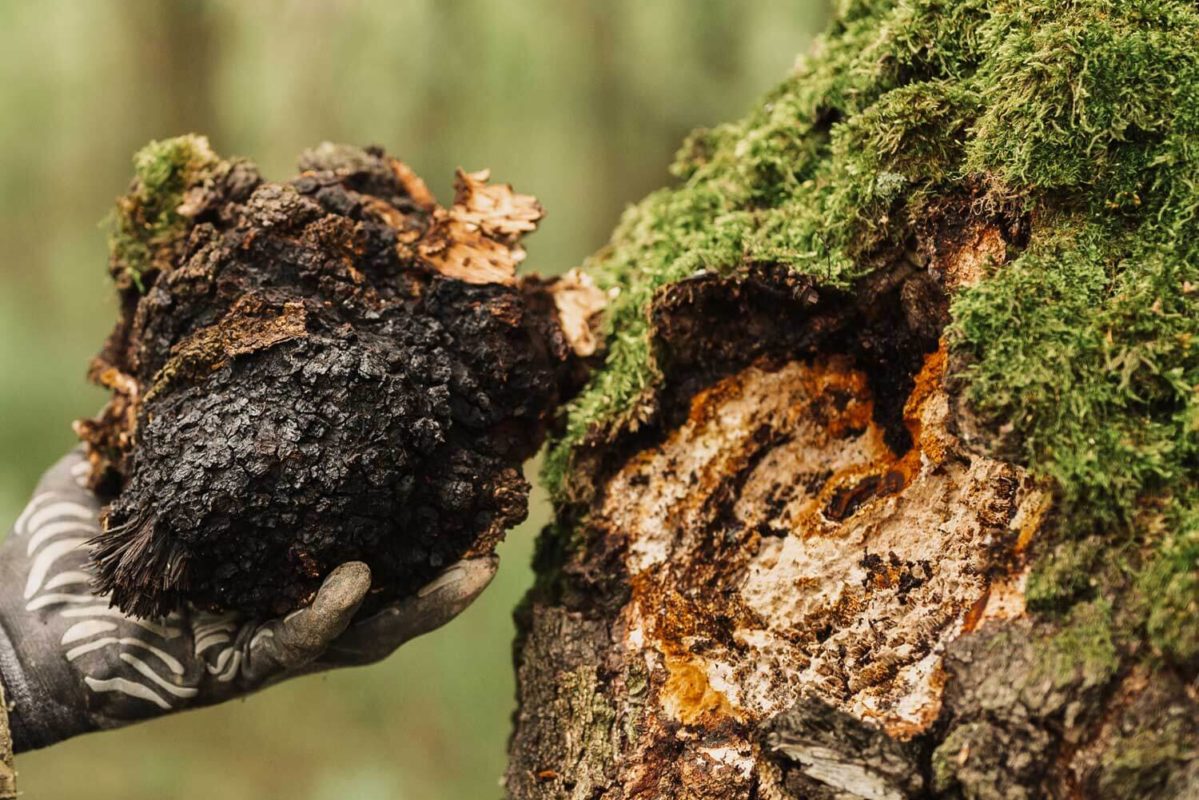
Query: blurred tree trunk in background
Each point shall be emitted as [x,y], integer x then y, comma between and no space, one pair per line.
[176,44]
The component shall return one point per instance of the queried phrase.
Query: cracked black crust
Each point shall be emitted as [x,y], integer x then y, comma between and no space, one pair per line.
[387,424]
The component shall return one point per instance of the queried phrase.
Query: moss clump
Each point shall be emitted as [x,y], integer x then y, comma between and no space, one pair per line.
[1170,587]
[1144,763]
[151,219]
[1084,644]
[1064,575]
[1082,114]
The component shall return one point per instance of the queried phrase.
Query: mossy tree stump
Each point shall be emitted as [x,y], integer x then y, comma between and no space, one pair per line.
[887,485]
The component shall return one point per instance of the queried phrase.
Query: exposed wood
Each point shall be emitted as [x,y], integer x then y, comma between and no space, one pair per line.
[796,587]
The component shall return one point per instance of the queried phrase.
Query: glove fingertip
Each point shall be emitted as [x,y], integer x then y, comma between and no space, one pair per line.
[465,579]
[343,590]
[309,630]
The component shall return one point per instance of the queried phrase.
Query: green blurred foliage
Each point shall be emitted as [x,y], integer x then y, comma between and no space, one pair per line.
[581,102]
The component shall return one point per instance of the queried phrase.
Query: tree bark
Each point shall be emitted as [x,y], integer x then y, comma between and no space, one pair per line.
[802,570]
[807,584]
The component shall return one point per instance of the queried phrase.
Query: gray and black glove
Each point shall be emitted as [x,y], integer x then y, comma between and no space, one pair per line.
[71,663]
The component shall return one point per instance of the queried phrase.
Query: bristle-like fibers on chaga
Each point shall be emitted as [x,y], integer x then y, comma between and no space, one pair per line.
[308,382]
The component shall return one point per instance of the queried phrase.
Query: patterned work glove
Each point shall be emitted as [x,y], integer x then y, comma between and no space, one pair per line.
[71,664]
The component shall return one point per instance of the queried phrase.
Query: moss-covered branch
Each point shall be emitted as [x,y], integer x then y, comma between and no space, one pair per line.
[1020,180]
[1080,354]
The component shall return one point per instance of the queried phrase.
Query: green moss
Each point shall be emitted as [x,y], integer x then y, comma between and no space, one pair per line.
[1085,645]
[946,761]
[1170,587]
[1144,763]
[148,224]
[1085,114]
[1064,575]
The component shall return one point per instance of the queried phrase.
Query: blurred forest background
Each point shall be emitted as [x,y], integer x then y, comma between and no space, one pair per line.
[580,102]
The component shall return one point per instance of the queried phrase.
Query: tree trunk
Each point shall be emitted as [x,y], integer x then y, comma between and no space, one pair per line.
[817,550]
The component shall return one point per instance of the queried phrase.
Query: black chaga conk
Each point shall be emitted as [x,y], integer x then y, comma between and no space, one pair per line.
[312,372]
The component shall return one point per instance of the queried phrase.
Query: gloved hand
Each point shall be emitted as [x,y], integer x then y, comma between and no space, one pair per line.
[71,664]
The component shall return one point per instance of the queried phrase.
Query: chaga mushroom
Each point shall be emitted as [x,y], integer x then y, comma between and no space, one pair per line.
[304,373]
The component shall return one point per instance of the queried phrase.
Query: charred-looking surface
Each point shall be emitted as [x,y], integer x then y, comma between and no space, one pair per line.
[317,371]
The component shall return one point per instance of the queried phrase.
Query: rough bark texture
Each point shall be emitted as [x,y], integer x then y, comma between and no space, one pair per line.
[312,372]
[888,485]
[794,548]
[804,584]
[8,772]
